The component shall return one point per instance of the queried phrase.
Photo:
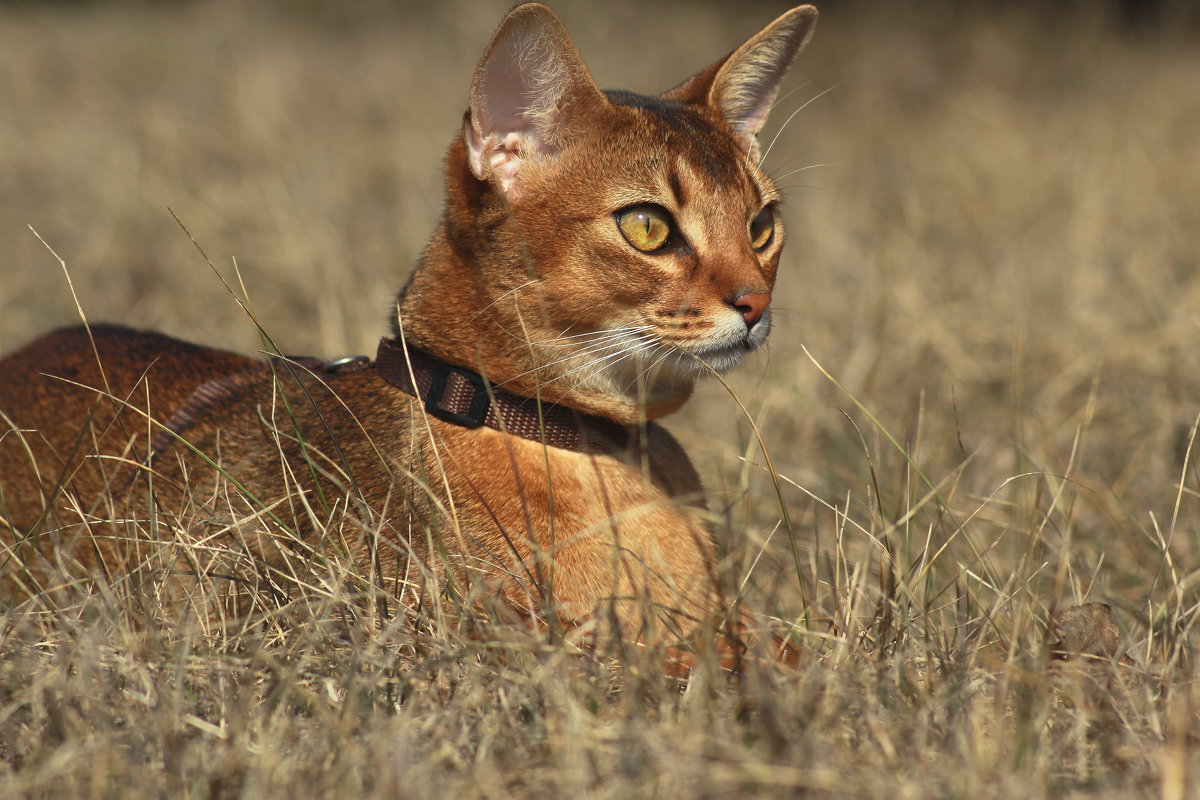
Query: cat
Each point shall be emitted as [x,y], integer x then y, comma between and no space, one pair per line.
[599,252]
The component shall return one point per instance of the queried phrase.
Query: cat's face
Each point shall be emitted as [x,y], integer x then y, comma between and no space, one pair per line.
[659,262]
[640,238]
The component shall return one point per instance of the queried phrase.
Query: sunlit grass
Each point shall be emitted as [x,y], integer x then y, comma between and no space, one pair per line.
[978,410]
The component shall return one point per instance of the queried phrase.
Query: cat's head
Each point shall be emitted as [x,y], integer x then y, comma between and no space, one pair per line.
[644,236]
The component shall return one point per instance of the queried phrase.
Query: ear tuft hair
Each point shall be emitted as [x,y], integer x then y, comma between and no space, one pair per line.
[528,84]
[744,84]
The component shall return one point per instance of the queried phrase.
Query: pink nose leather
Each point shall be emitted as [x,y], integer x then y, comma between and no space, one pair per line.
[752,305]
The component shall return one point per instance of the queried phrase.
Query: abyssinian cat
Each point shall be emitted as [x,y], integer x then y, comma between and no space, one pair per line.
[599,252]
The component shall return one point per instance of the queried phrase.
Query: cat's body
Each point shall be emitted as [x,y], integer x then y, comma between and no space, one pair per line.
[599,252]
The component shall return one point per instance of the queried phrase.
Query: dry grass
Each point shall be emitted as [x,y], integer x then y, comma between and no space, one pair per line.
[979,400]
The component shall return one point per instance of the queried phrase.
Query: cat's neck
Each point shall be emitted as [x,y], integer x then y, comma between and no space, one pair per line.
[455,309]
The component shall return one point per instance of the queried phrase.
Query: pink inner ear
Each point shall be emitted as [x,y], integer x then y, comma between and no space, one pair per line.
[745,97]
[514,100]
[751,120]
[530,80]
[505,161]
[500,155]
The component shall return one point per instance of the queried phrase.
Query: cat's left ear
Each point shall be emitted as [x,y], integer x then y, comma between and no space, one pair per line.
[529,86]
[744,84]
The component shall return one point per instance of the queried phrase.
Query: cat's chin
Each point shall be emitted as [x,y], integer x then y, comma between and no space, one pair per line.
[686,366]
[727,358]
[724,356]
[718,359]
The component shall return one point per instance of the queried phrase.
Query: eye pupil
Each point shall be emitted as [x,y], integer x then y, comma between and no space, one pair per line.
[647,228]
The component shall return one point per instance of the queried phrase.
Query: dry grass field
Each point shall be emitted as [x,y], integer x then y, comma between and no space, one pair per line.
[979,401]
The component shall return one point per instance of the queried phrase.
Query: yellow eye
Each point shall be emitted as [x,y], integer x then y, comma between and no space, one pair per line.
[762,228]
[645,227]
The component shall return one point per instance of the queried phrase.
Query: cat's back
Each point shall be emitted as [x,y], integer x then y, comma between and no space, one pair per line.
[72,394]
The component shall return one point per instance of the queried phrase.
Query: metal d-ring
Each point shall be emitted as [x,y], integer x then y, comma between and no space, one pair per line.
[345,363]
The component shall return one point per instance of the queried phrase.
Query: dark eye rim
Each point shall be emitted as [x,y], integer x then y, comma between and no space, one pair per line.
[769,211]
[672,229]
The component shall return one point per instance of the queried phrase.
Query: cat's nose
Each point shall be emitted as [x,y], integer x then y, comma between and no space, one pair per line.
[751,306]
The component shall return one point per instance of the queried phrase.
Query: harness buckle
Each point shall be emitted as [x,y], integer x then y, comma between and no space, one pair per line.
[480,402]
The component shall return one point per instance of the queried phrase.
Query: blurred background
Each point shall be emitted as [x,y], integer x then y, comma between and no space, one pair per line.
[993,212]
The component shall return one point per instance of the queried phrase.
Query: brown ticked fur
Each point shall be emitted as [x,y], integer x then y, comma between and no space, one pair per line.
[527,280]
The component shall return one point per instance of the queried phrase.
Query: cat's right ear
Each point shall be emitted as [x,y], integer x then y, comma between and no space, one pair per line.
[527,88]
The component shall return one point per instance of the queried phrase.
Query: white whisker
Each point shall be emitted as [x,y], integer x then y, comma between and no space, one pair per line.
[612,359]
[514,290]
[791,116]
[788,94]
[801,169]
[669,349]
[633,347]
[593,350]
[564,341]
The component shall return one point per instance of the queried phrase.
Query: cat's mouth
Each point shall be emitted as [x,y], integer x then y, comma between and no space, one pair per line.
[724,355]
[731,348]
[659,361]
